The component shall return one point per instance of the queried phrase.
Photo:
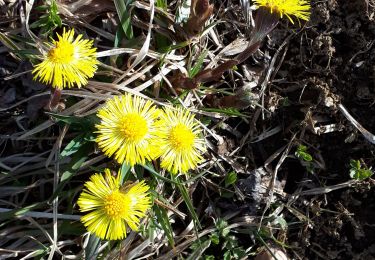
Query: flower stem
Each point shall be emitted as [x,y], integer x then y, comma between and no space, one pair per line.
[55,99]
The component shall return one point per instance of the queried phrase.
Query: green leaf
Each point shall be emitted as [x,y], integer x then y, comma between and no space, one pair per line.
[86,123]
[282,222]
[226,194]
[227,255]
[259,235]
[198,65]
[123,12]
[302,154]
[41,8]
[357,172]
[162,4]
[148,166]
[238,253]
[54,9]
[73,146]
[162,42]
[215,238]
[125,172]
[26,53]
[48,21]
[306,157]
[180,45]
[355,164]
[36,24]
[9,43]
[225,111]
[139,171]
[91,250]
[163,219]
[231,242]
[188,202]
[19,212]
[77,160]
[71,228]
[57,20]
[221,226]
[197,253]
[197,242]
[230,179]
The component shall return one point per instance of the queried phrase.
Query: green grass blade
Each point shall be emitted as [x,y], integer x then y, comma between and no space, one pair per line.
[19,212]
[91,251]
[125,172]
[199,250]
[188,202]
[163,219]
[77,160]
[198,65]
[163,4]
[226,111]
[73,146]
[150,168]
[123,12]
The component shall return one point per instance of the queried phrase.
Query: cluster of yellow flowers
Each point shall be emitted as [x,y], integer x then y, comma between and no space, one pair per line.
[132,130]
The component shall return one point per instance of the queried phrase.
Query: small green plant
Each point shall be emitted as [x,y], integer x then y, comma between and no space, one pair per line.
[305,158]
[302,153]
[223,238]
[358,172]
[50,20]
[230,179]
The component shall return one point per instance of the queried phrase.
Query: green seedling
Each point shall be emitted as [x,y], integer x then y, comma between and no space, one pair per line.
[222,241]
[50,20]
[302,154]
[358,172]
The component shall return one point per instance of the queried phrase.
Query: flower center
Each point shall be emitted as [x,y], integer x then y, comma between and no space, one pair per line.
[63,52]
[134,127]
[115,204]
[181,137]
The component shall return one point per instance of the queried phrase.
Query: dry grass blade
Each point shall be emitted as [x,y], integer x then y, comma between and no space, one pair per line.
[325,190]
[369,136]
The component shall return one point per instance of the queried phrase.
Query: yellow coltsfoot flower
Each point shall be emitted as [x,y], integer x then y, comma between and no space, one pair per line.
[112,208]
[68,62]
[181,146]
[129,125]
[297,8]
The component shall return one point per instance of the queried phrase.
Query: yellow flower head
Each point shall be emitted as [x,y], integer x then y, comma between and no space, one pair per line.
[68,62]
[112,208]
[127,129]
[298,8]
[180,144]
